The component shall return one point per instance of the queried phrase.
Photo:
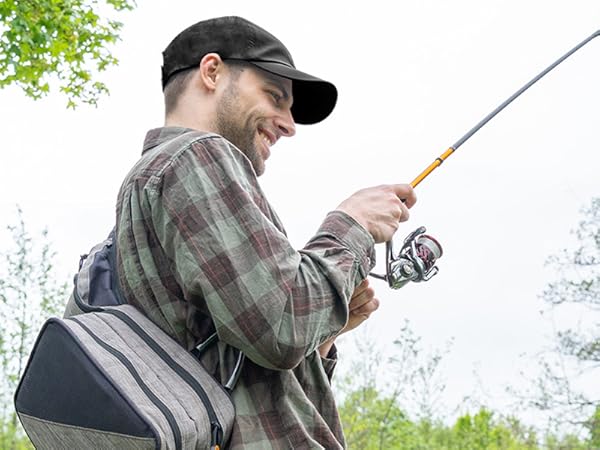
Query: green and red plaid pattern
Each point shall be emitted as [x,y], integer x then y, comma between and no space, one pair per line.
[200,248]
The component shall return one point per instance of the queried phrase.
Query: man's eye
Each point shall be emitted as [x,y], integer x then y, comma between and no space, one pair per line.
[275,96]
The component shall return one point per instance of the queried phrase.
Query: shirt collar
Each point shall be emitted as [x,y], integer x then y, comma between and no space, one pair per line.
[157,136]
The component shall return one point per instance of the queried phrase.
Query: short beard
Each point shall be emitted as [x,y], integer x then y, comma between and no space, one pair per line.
[229,124]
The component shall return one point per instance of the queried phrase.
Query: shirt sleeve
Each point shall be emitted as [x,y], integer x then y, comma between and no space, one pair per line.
[271,301]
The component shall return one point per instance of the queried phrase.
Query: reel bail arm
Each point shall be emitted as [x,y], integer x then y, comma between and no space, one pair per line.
[415,260]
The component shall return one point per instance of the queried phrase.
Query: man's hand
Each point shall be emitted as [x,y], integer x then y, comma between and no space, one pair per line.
[362,304]
[380,209]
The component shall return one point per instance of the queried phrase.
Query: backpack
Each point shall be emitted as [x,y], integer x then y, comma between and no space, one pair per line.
[105,376]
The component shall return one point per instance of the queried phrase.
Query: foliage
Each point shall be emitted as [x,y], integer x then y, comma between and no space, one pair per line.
[375,387]
[570,368]
[408,375]
[63,41]
[483,430]
[362,415]
[395,404]
[29,294]
[593,425]
[372,421]
[367,415]
[579,277]
[12,437]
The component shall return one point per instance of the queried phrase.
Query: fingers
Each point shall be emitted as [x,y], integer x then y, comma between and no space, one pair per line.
[362,287]
[363,301]
[362,304]
[367,309]
[406,193]
[405,214]
[407,199]
[380,209]
[361,296]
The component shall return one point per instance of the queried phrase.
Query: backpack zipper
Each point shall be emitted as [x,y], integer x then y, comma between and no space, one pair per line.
[216,428]
[151,396]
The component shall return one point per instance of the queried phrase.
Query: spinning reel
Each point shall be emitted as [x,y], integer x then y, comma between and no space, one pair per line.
[415,261]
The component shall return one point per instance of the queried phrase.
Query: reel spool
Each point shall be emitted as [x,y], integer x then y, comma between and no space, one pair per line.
[415,260]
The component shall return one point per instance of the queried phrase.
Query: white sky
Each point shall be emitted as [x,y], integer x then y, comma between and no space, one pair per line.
[411,82]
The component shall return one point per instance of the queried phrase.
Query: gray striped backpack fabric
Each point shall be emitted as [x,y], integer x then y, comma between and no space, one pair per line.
[106,377]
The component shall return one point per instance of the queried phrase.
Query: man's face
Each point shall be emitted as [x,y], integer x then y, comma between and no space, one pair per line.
[254,112]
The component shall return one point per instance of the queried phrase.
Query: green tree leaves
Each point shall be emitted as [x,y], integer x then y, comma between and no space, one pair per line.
[63,42]
[394,404]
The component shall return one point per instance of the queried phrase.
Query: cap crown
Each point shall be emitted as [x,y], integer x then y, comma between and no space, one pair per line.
[231,37]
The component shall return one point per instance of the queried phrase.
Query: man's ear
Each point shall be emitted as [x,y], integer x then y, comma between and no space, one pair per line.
[211,69]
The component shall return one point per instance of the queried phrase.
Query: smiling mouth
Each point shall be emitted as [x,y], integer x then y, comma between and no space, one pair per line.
[266,139]
[267,143]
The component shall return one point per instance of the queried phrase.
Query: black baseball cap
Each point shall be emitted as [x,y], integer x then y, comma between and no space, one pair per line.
[235,38]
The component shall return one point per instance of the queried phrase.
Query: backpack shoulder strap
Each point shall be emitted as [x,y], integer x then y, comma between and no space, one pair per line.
[96,284]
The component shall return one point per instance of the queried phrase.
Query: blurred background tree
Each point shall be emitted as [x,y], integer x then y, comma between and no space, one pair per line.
[564,389]
[29,294]
[393,403]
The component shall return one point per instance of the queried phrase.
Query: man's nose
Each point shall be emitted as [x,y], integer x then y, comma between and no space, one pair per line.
[285,124]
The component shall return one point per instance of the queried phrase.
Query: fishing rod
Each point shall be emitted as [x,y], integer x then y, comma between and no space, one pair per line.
[417,257]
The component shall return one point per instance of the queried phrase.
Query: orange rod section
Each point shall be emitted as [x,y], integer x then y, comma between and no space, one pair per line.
[432,167]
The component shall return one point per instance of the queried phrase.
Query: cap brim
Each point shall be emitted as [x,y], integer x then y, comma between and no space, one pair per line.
[314,99]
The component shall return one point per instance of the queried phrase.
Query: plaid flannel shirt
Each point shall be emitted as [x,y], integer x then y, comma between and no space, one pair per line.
[200,248]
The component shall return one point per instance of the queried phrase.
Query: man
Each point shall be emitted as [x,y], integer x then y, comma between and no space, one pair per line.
[200,249]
